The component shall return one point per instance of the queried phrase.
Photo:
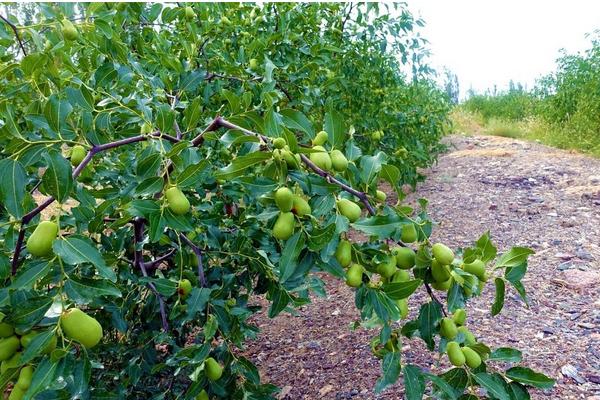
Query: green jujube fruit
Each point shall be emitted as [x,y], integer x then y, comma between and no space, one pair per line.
[8,347]
[442,254]
[338,160]
[16,394]
[455,355]
[176,200]
[284,199]
[24,380]
[443,286]
[279,143]
[301,207]
[380,195]
[349,209]
[409,233]
[203,395]
[189,13]
[253,63]
[401,276]
[292,161]
[80,327]
[388,268]
[320,139]
[12,362]
[68,30]
[448,328]
[284,226]
[354,275]
[77,154]
[472,358]
[6,329]
[39,243]
[343,253]
[405,257]
[212,369]
[184,288]
[321,158]
[476,268]
[469,337]
[28,337]
[460,316]
[403,307]
[441,273]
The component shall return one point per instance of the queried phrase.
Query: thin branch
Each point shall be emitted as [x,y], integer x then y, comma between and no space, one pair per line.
[14,29]
[430,292]
[198,252]
[155,263]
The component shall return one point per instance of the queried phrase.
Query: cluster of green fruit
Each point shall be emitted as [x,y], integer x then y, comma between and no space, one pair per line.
[450,329]
[443,275]
[289,205]
[213,371]
[377,135]
[282,152]
[327,161]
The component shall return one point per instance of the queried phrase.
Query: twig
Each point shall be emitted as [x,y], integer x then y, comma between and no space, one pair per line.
[430,292]
[198,254]
[154,263]
[14,29]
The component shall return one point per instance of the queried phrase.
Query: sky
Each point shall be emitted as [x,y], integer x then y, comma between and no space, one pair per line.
[490,42]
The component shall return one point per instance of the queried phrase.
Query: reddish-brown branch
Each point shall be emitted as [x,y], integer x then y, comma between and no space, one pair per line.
[16,31]
[434,298]
[198,252]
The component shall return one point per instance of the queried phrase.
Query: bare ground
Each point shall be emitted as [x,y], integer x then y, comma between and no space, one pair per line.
[526,194]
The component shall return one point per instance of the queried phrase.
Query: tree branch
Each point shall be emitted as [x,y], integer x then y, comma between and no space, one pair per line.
[198,254]
[154,263]
[14,29]
[430,292]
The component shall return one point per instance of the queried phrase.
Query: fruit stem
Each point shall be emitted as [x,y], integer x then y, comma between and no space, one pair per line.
[430,292]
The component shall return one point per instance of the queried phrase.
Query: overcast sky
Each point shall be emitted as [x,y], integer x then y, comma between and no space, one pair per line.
[487,42]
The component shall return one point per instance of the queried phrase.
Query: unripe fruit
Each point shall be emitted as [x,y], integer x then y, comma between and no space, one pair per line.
[443,286]
[343,253]
[40,242]
[212,369]
[12,362]
[8,347]
[184,288]
[405,257]
[321,158]
[339,161]
[472,359]
[68,30]
[189,13]
[381,196]
[6,329]
[403,307]
[25,375]
[400,276]
[354,275]
[469,337]
[349,209]
[448,328]
[176,200]
[77,154]
[80,327]
[409,233]
[284,199]
[279,143]
[442,254]
[455,355]
[476,268]
[388,268]
[284,226]
[301,207]
[16,394]
[28,337]
[225,21]
[277,155]
[441,273]
[320,139]
[253,63]
[460,316]
[203,395]
[289,158]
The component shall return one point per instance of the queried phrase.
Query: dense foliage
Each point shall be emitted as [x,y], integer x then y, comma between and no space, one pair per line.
[193,157]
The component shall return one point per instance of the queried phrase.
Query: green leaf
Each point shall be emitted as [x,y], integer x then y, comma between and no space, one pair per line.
[165,117]
[30,313]
[335,128]
[391,174]
[518,392]
[78,250]
[57,180]
[493,387]
[414,382]
[37,344]
[197,301]
[516,256]
[430,315]
[370,166]
[499,300]
[12,186]
[390,367]
[30,274]
[529,377]
[81,97]
[487,248]
[193,174]
[289,257]
[150,186]
[86,290]
[57,111]
[240,164]
[7,118]
[279,300]
[401,290]
[294,119]
[380,226]
[506,354]
[443,386]
[43,375]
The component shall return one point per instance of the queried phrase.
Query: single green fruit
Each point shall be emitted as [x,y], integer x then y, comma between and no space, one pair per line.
[78,153]
[24,380]
[392,344]
[442,254]
[321,158]
[176,200]
[354,275]
[301,207]
[401,276]
[16,394]
[284,199]
[29,336]
[320,139]
[405,257]
[349,209]
[277,155]
[443,286]
[292,161]
[12,362]
[80,327]
[403,307]
[189,13]
[441,273]
[39,243]
[448,328]
[338,160]
[472,359]
[343,253]
[476,268]
[469,337]
[460,316]
[388,268]
[377,135]
[279,143]
[455,355]
[8,347]
[6,329]
[284,226]
[203,395]
[253,63]
[381,196]
[225,21]
[409,233]
[68,30]
[212,369]
[184,288]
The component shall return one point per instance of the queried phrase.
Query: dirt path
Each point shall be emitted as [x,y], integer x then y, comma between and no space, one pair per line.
[526,194]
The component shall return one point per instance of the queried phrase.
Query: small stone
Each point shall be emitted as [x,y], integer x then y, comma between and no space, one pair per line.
[564,256]
[594,379]
[552,214]
[572,372]
[583,254]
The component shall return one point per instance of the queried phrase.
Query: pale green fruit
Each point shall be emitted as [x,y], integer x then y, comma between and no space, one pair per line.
[16,394]
[279,143]
[78,153]
[68,30]
[339,161]
[79,326]
[292,161]
[176,200]
[301,207]
[388,268]
[253,63]
[225,21]
[284,199]
[184,288]
[320,139]
[455,355]
[203,395]
[12,362]
[381,196]
[6,329]
[24,380]
[343,253]
[8,347]
[321,158]
[472,358]
[189,13]
[284,226]
[442,254]
[403,307]
[469,337]
[409,233]
[441,273]
[448,328]
[349,209]
[459,316]
[405,257]
[40,242]
[212,369]
[476,268]
[401,276]
[443,286]
[354,275]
